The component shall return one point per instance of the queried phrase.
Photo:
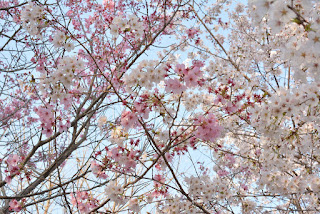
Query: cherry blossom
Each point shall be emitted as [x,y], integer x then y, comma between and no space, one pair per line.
[159,106]
[15,205]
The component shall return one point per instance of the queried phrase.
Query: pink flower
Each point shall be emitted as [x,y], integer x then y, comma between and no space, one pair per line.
[197,63]
[130,164]
[82,195]
[191,33]
[142,109]
[222,173]
[180,69]
[95,167]
[219,99]
[15,205]
[66,101]
[62,127]
[8,179]
[169,157]
[191,80]
[83,208]
[244,187]
[208,129]
[47,131]
[13,161]
[97,170]
[114,152]
[83,201]
[128,119]
[196,71]
[174,85]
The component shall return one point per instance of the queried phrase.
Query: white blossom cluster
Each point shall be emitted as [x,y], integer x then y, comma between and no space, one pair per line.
[132,24]
[191,100]
[114,192]
[277,12]
[177,206]
[298,103]
[59,40]
[62,79]
[32,17]
[133,205]
[303,59]
[208,190]
[248,206]
[300,20]
[276,182]
[147,74]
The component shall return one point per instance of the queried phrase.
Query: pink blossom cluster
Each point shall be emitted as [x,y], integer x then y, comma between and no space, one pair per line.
[161,164]
[97,170]
[13,166]
[15,108]
[174,85]
[117,159]
[236,105]
[15,205]
[192,32]
[160,190]
[142,109]
[84,201]
[125,159]
[128,119]
[191,77]
[208,128]
[46,116]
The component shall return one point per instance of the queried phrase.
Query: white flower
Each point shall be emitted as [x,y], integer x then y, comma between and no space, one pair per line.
[32,18]
[276,25]
[116,20]
[69,46]
[312,100]
[124,25]
[281,11]
[260,8]
[248,206]
[134,205]
[59,39]
[101,121]
[114,31]
[314,40]
[114,191]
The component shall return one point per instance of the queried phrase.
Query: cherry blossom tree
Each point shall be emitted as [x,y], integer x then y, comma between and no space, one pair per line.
[159,106]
